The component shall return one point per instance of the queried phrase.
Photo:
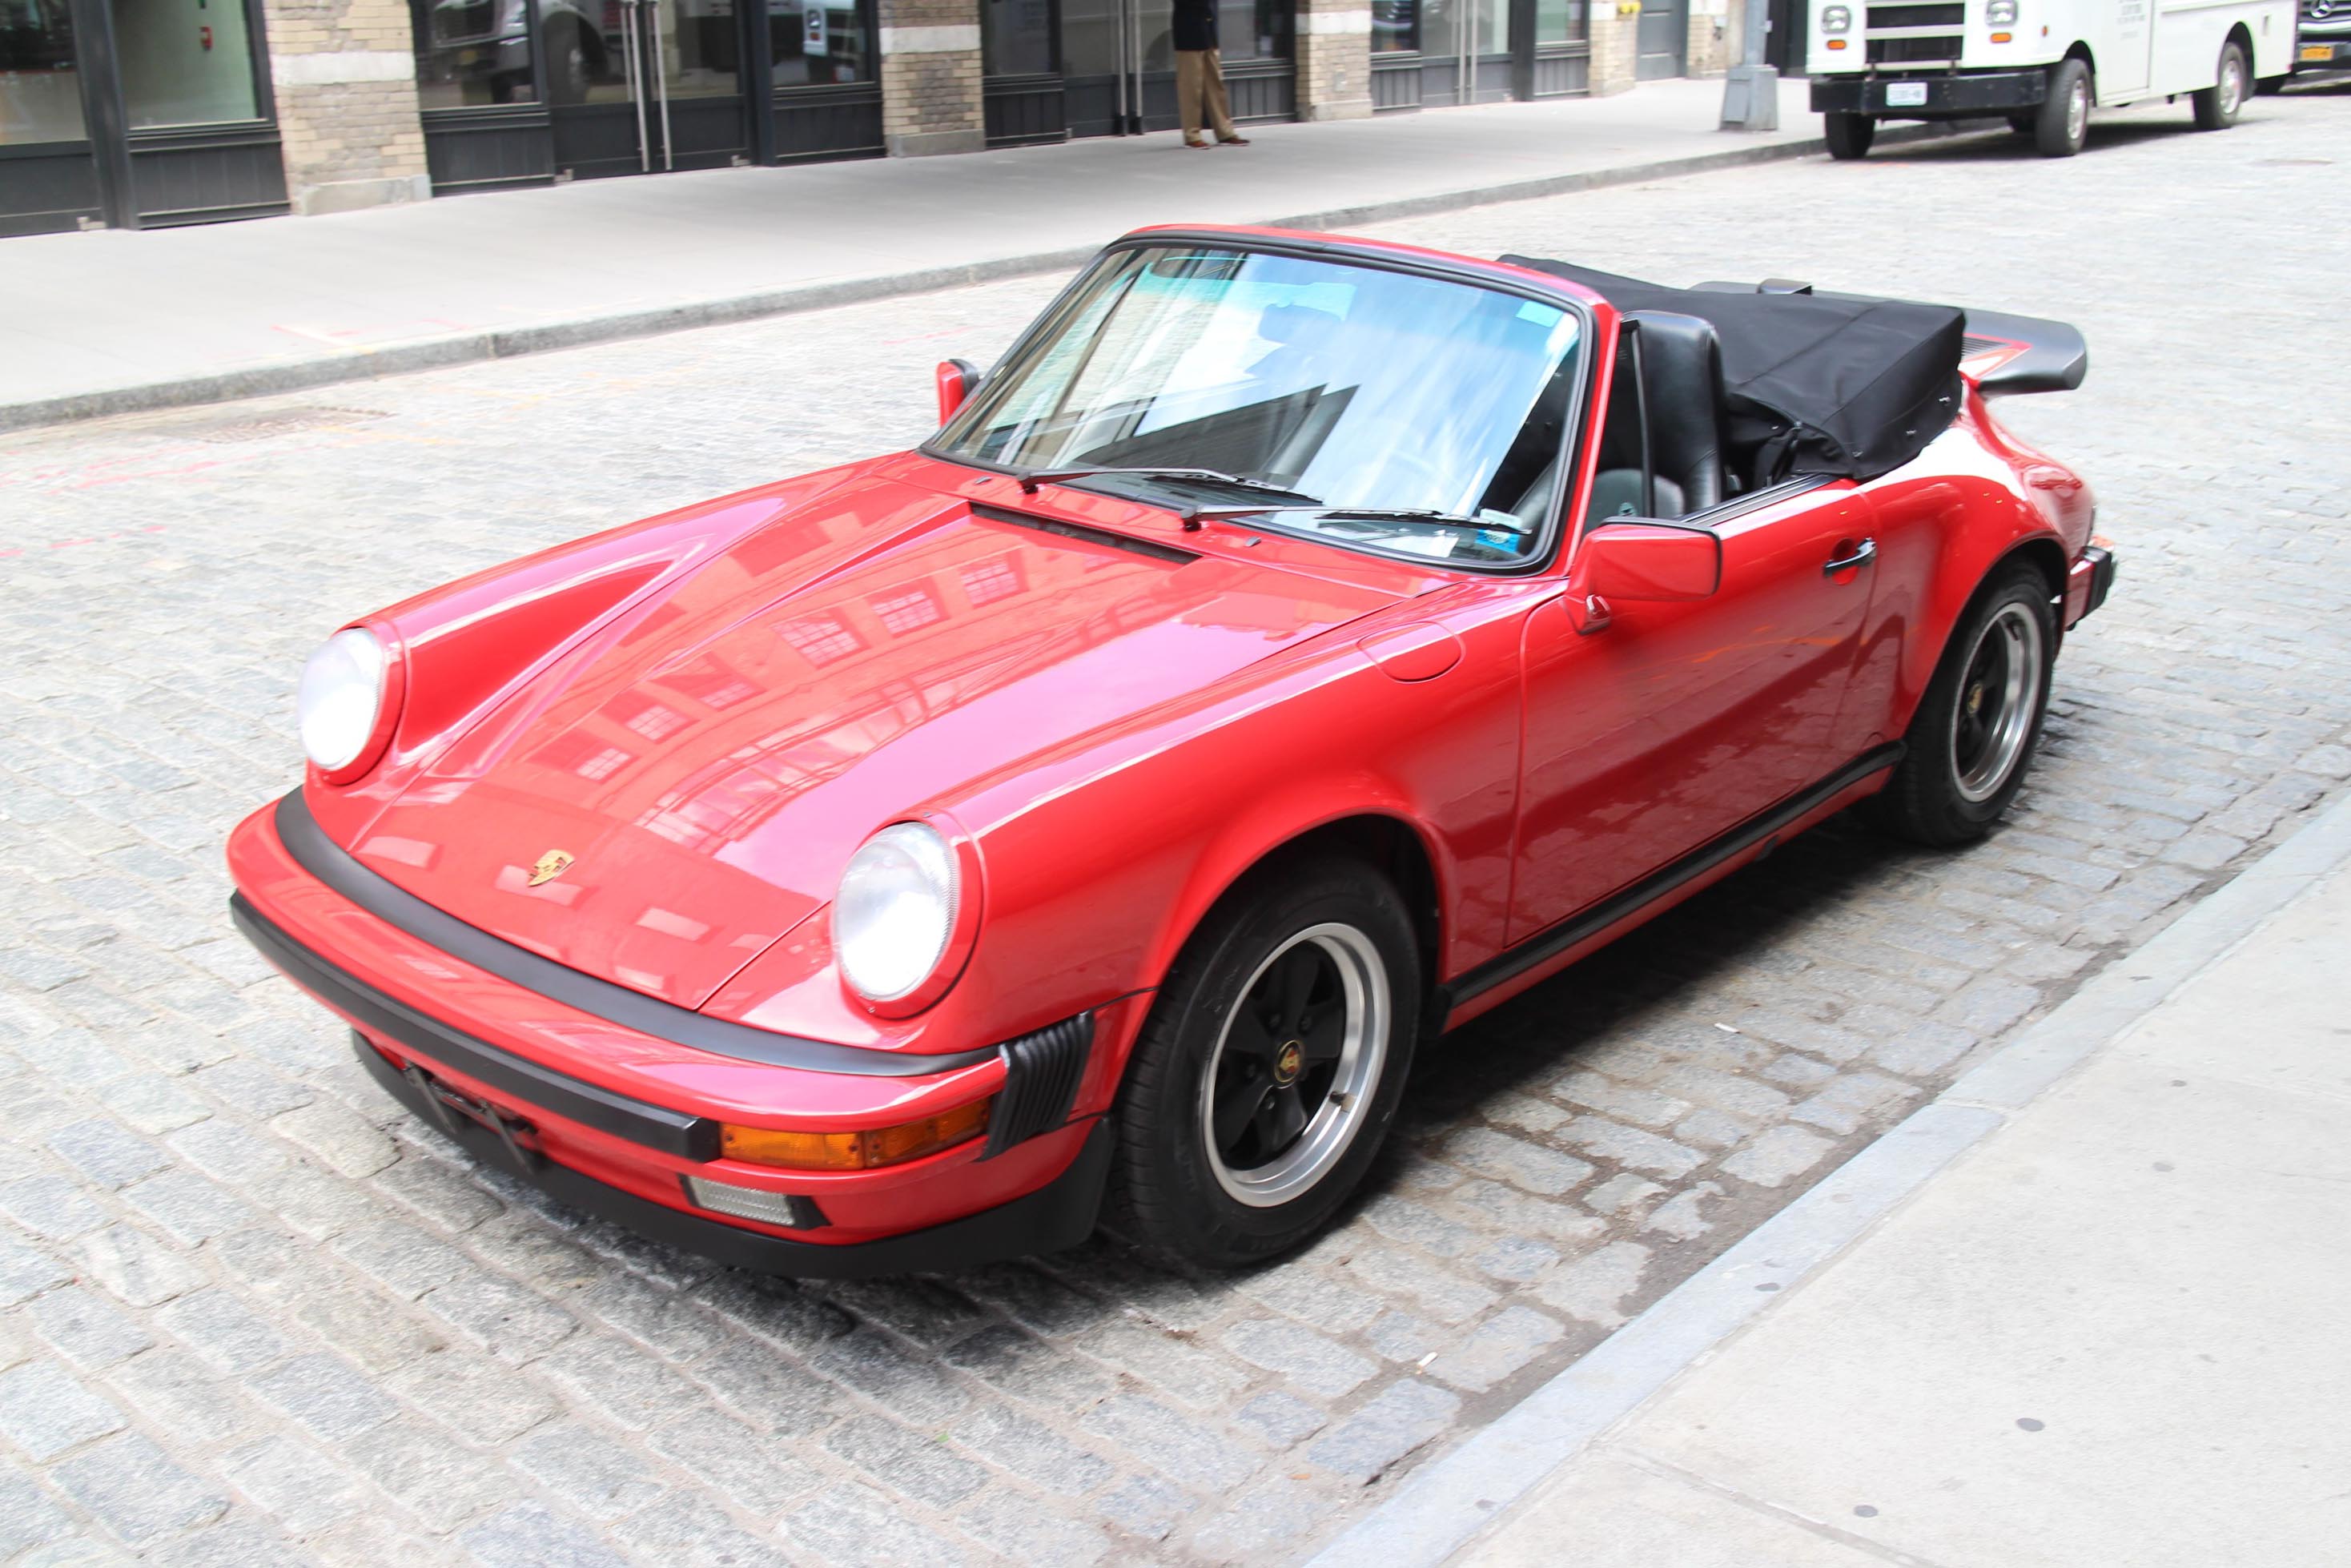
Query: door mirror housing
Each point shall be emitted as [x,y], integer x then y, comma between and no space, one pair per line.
[1638,558]
[956,379]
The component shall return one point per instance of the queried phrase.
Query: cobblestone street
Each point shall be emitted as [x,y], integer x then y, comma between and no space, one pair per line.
[250,1312]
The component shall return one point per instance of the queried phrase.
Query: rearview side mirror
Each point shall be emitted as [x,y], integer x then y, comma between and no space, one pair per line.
[1641,559]
[956,379]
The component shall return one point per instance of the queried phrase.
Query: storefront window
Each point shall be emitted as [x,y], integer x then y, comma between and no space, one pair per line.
[1015,38]
[40,90]
[812,41]
[1395,27]
[1253,29]
[476,52]
[1559,21]
[183,63]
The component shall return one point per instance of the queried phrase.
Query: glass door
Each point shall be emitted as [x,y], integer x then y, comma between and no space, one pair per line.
[638,87]
[1118,66]
[1465,50]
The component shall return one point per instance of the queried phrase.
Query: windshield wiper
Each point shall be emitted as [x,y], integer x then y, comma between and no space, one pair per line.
[1032,479]
[1496,521]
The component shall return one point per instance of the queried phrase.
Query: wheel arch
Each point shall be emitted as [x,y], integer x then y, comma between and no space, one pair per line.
[1387,840]
[1948,608]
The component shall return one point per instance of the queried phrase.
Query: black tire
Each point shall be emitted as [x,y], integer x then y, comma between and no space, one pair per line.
[1958,775]
[2022,121]
[1169,1183]
[1849,135]
[2061,125]
[2217,106]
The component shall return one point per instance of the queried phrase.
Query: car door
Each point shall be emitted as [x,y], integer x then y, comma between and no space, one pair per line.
[1670,723]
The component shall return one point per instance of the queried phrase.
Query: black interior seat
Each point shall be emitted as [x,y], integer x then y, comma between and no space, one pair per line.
[1681,374]
[1682,365]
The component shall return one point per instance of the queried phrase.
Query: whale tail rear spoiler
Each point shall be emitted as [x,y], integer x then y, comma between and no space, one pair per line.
[2002,354]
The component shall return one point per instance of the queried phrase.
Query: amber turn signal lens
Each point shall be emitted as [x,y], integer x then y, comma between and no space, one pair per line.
[1837,43]
[854,1151]
[2002,37]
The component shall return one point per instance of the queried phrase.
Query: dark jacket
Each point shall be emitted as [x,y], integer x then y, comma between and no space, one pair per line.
[1194,23]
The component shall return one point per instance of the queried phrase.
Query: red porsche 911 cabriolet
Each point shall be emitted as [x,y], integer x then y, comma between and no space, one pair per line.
[1294,647]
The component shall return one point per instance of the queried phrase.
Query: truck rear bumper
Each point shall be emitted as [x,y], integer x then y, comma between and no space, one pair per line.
[1948,97]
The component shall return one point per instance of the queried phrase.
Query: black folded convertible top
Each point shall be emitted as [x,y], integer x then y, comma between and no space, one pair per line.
[1818,383]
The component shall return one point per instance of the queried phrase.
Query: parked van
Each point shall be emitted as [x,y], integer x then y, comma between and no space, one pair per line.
[2040,64]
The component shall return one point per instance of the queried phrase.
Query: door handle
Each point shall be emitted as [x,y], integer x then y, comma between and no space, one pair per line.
[1862,554]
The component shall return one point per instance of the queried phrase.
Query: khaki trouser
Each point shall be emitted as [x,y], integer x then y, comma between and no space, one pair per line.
[1200,93]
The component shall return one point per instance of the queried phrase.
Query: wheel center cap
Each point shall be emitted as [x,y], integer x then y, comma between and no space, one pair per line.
[1288,1062]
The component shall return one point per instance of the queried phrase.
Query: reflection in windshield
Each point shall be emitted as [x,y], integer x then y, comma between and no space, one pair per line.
[1364,387]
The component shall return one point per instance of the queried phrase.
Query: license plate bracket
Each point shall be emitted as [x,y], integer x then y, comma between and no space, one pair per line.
[446,1104]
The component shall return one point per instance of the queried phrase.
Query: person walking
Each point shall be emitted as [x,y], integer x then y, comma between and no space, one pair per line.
[1200,75]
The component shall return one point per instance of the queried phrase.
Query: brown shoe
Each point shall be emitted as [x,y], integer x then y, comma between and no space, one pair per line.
[1232,141]
[1190,142]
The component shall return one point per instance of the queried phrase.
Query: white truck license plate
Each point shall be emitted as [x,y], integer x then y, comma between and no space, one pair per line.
[1906,95]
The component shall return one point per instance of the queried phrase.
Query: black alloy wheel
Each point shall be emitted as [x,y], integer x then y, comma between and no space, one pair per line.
[1271,1067]
[1973,735]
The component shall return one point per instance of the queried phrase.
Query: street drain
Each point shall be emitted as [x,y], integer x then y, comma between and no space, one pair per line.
[277,422]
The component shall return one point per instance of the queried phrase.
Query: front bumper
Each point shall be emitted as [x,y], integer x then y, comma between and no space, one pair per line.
[1949,96]
[2321,54]
[619,1120]
[1057,1214]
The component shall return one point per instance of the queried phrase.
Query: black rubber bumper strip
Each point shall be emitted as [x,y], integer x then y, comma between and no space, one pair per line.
[394,905]
[1057,1214]
[641,1122]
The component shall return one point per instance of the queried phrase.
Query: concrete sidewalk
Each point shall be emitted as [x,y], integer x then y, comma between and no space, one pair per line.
[113,321]
[2086,1309]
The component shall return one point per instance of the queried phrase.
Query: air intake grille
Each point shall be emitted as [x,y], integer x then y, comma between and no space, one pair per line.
[1042,1072]
[1913,51]
[1917,16]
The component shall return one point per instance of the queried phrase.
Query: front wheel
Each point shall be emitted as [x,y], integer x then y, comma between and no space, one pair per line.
[1271,1069]
[1849,135]
[1975,731]
[2063,125]
[2217,106]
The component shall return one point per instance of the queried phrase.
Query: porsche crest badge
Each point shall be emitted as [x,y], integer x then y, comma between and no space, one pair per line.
[550,866]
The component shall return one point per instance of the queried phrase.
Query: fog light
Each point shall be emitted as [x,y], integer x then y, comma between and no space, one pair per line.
[785,1208]
[854,1151]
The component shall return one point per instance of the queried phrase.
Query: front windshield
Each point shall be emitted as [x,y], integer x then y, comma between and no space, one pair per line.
[1355,386]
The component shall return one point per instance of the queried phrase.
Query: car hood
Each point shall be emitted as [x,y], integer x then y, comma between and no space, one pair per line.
[677,793]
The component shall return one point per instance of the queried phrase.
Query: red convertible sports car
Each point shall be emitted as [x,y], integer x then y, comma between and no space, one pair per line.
[1295,647]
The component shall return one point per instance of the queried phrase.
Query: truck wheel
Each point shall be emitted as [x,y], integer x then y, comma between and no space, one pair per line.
[1271,1069]
[2062,124]
[1975,730]
[2217,106]
[1849,135]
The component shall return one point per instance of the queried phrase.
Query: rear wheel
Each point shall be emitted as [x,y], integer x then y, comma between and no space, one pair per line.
[1849,135]
[1974,733]
[2217,106]
[2062,124]
[1271,1066]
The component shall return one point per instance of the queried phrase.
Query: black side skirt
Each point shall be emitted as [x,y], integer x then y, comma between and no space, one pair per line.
[1553,940]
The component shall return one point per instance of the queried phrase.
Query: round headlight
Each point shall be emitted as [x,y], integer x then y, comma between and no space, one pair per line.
[895,911]
[341,698]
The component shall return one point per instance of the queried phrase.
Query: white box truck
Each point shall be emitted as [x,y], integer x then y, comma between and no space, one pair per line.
[2042,64]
